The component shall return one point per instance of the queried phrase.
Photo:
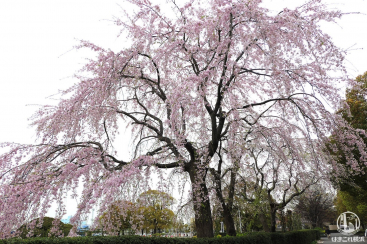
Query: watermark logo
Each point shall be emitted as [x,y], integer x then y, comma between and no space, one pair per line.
[348,223]
[347,239]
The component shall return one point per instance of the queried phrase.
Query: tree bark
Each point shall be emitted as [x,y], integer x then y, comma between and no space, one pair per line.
[155,226]
[203,215]
[227,207]
[273,211]
[228,221]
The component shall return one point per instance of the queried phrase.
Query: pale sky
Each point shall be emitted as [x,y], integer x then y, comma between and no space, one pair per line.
[37,37]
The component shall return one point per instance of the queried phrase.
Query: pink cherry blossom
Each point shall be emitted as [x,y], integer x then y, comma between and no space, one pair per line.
[206,80]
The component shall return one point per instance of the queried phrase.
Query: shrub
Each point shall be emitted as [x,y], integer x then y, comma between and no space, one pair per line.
[299,237]
[44,230]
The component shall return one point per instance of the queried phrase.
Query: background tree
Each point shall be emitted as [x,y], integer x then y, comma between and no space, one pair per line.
[153,205]
[289,220]
[179,226]
[255,211]
[224,186]
[277,171]
[316,206]
[339,205]
[45,227]
[296,221]
[357,103]
[346,201]
[119,217]
[274,164]
[354,112]
[187,81]
[352,185]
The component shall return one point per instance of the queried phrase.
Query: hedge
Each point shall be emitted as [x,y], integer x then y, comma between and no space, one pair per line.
[299,237]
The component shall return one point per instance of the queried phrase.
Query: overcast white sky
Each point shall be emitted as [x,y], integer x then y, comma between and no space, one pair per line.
[37,35]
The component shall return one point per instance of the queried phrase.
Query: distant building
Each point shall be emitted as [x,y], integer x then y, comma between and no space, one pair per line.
[82,229]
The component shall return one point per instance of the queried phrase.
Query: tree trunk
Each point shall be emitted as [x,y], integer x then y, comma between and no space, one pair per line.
[228,218]
[264,222]
[273,211]
[282,220]
[289,220]
[228,221]
[227,207]
[203,215]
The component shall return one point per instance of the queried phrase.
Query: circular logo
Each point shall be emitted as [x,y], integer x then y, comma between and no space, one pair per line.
[348,223]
